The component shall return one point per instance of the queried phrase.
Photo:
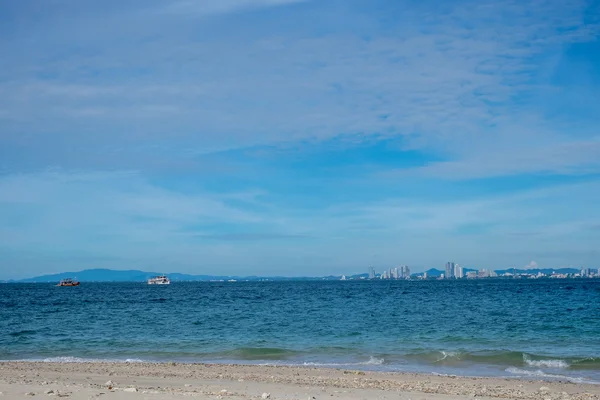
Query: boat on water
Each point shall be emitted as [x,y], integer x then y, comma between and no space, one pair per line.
[159,280]
[68,282]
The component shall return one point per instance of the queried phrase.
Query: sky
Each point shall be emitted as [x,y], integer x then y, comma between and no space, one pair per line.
[291,137]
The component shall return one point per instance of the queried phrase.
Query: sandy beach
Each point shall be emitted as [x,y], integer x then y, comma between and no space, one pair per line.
[208,381]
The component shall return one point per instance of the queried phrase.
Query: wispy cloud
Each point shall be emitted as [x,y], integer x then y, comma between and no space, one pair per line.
[439,76]
[568,158]
[120,219]
[208,7]
[252,237]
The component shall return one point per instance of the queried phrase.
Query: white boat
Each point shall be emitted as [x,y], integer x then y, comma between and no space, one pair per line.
[159,280]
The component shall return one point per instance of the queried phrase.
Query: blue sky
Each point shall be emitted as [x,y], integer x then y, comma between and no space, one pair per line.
[298,137]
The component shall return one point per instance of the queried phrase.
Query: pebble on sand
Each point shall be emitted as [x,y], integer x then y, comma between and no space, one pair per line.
[265,396]
[131,390]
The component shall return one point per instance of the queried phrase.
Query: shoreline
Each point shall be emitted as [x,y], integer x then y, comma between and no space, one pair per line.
[374,365]
[173,380]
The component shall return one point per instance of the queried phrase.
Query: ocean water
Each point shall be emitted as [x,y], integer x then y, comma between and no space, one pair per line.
[546,329]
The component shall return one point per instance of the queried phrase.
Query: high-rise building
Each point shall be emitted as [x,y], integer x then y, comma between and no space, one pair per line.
[449,270]
[371,273]
[458,272]
[404,272]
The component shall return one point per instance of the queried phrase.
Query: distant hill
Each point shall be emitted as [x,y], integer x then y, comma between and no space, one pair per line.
[535,271]
[431,273]
[109,275]
[435,273]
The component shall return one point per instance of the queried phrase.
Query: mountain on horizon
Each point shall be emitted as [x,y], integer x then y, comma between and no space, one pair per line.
[431,273]
[436,273]
[535,271]
[109,275]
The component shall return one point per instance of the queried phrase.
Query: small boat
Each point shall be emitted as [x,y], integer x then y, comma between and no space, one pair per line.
[159,280]
[68,282]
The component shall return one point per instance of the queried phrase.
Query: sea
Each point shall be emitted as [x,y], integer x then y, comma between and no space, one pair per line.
[535,329]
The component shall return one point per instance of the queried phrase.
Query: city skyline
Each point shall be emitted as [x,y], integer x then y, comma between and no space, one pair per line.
[455,271]
[373,272]
[291,137]
[397,273]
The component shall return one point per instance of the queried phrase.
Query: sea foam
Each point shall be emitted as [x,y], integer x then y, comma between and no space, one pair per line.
[545,363]
[541,374]
[68,359]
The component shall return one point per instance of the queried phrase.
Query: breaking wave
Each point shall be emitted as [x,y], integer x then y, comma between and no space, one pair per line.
[559,364]
[371,361]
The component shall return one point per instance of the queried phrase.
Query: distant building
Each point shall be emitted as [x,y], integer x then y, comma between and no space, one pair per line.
[458,272]
[371,273]
[486,273]
[471,274]
[586,272]
[449,270]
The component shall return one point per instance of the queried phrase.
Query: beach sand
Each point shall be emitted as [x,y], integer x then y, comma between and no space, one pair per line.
[208,381]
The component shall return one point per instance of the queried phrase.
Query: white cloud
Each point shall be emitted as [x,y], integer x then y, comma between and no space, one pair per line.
[57,209]
[441,76]
[567,158]
[531,265]
[50,221]
[208,7]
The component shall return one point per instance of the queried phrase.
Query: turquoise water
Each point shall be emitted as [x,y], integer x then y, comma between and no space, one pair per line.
[519,328]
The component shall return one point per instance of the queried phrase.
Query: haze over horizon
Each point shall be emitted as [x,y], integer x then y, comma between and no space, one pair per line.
[291,137]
